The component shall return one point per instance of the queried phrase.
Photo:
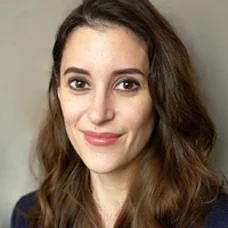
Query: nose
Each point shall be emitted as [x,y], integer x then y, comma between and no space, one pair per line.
[101,109]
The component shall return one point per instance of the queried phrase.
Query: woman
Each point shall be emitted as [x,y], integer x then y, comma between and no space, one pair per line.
[126,140]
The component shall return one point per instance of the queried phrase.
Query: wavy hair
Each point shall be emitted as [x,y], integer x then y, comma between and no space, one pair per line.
[174,190]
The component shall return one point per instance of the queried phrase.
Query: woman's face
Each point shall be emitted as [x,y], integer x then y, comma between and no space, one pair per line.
[105,98]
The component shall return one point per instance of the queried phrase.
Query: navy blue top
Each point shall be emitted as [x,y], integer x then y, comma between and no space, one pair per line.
[218,217]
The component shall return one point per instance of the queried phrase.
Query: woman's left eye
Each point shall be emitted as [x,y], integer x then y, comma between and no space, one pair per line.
[127,85]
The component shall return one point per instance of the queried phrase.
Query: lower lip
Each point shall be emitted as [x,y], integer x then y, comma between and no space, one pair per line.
[101,141]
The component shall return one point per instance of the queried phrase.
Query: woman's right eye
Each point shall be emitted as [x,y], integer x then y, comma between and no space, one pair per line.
[78,84]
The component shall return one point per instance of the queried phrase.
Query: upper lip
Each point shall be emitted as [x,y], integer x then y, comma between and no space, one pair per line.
[101,134]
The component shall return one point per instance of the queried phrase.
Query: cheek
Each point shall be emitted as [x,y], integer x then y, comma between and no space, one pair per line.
[138,114]
[73,109]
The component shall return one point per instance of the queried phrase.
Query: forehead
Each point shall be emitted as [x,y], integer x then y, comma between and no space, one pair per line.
[106,47]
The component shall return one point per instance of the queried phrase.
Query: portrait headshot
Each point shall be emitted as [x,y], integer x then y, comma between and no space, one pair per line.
[132,135]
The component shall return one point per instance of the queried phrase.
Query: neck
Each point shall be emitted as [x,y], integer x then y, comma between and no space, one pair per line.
[109,192]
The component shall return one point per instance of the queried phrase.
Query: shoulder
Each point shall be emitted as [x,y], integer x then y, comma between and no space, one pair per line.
[24,204]
[218,217]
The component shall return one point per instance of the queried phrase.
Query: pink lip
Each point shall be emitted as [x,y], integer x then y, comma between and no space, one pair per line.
[101,139]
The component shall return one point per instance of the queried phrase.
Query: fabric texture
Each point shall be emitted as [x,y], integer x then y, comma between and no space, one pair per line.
[24,204]
[218,217]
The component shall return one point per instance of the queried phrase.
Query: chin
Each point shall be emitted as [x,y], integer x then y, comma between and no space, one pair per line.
[101,171]
[101,168]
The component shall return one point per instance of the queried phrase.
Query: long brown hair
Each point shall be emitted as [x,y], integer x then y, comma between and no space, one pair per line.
[174,190]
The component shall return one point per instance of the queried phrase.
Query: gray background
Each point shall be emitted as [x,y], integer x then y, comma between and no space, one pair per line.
[27,29]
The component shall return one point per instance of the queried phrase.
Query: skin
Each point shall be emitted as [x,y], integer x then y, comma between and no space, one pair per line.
[104,100]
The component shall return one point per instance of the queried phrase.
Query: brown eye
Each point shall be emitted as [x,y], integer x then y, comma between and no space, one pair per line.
[127,85]
[78,84]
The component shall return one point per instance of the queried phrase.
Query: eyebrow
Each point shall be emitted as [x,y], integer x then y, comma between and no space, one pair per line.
[114,73]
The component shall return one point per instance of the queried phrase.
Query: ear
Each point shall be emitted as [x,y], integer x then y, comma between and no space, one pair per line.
[57,84]
[59,93]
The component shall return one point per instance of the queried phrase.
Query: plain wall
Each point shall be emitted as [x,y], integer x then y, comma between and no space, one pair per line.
[27,30]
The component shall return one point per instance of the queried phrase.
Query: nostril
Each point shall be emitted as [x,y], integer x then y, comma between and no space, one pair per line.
[100,114]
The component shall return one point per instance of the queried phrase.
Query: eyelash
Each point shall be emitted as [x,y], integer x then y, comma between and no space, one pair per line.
[75,80]
[82,80]
[127,80]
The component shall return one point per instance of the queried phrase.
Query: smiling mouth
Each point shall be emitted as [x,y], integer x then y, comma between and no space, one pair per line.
[101,139]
